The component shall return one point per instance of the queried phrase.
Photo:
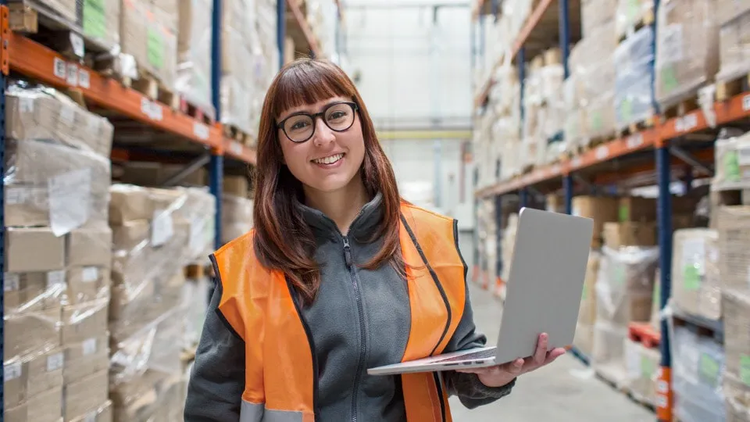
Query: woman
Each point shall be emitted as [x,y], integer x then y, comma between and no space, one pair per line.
[339,275]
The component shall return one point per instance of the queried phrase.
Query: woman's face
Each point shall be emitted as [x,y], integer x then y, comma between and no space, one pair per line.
[329,159]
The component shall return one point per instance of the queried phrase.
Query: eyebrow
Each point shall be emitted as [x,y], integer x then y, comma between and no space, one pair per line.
[298,113]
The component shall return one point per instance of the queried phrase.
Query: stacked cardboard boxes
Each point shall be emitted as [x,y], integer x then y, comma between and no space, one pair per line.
[630,13]
[241,53]
[600,209]
[56,298]
[734,39]
[236,216]
[194,53]
[696,285]
[687,49]
[642,369]
[634,59]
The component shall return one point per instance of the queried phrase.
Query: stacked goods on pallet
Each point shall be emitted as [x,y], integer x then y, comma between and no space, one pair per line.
[697,371]
[624,288]
[600,209]
[505,119]
[687,49]
[236,216]
[156,233]
[322,15]
[642,364]
[143,173]
[695,272]
[596,14]
[483,141]
[631,14]
[56,189]
[633,76]
[239,54]
[734,53]
[267,57]
[194,53]
[148,33]
[487,241]
[732,163]
[543,110]
[584,337]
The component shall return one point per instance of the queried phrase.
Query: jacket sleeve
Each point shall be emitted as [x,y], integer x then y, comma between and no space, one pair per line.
[218,376]
[471,392]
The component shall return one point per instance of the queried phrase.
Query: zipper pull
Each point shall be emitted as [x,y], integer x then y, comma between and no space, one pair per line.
[347,252]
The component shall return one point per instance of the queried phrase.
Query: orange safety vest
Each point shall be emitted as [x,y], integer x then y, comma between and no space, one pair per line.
[280,374]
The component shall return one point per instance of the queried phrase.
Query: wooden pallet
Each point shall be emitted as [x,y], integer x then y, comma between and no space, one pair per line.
[682,107]
[644,333]
[153,89]
[637,127]
[195,271]
[186,107]
[645,20]
[233,132]
[731,87]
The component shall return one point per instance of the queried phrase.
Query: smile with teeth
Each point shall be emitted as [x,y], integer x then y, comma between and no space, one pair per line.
[329,160]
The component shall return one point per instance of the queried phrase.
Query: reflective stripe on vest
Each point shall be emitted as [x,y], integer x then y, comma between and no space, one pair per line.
[280,372]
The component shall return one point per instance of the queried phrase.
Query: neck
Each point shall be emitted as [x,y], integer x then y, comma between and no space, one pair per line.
[343,205]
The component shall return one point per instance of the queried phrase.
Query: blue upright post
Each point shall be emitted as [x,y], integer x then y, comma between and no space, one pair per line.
[564,35]
[499,235]
[2,240]
[216,169]
[568,193]
[664,216]
[521,59]
[523,197]
[280,29]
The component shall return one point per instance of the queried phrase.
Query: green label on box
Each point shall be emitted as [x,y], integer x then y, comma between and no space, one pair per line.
[633,7]
[619,275]
[624,213]
[648,367]
[155,48]
[669,80]
[691,277]
[709,369]
[657,292]
[596,120]
[732,166]
[745,369]
[94,18]
[627,109]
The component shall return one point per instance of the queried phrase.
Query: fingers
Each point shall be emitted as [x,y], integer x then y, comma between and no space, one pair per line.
[554,354]
[540,355]
[514,368]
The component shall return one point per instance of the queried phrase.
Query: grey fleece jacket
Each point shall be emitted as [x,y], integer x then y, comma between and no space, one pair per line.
[360,319]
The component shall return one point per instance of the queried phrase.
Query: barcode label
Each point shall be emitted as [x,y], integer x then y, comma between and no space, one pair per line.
[743,156]
[602,152]
[84,79]
[91,417]
[12,371]
[27,105]
[72,74]
[746,103]
[11,282]
[90,274]
[89,347]
[60,68]
[236,148]
[635,141]
[151,109]
[77,42]
[200,131]
[55,362]
[16,195]
[686,124]
[55,277]
[576,162]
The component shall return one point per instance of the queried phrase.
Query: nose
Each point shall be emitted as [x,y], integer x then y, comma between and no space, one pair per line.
[323,134]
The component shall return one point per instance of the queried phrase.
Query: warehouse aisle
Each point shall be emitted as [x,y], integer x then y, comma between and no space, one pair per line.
[564,391]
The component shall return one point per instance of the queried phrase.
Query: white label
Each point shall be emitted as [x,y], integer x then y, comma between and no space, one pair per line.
[90,274]
[91,417]
[69,200]
[576,162]
[670,46]
[743,156]
[72,74]
[55,277]
[60,68]
[11,282]
[55,362]
[746,103]
[84,79]
[77,43]
[236,148]
[686,123]
[198,238]
[161,228]
[602,152]
[12,371]
[67,115]
[635,141]
[200,131]
[632,360]
[89,347]
[661,401]
[16,195]
[151,109]
[27,105]
[694,254]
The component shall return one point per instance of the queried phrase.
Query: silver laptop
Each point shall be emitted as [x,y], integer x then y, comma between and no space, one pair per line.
[543,295]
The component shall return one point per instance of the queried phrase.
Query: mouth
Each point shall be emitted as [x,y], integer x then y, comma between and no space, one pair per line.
[331,159]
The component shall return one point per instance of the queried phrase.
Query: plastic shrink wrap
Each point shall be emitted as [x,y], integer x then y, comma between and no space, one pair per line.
[732,161]
[236,216]
[631,13]
[194,53]
[734,47]
[696,285]
[642,370]
[633,75]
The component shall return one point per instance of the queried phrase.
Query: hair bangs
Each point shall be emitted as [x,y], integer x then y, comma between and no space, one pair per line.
[308,83]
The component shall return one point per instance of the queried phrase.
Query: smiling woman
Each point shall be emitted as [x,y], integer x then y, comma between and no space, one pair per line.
[339,275]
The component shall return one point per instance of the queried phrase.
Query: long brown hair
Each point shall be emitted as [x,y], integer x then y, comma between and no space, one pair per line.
[283,241]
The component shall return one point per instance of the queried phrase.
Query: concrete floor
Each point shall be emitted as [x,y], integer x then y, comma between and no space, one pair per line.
[564,391]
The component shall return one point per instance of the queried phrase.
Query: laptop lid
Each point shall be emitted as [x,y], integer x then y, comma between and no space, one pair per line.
[545,282]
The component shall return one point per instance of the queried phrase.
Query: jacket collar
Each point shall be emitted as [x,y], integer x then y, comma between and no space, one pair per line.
[368,218]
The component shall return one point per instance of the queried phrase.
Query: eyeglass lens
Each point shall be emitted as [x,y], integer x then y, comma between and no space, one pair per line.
[338,117]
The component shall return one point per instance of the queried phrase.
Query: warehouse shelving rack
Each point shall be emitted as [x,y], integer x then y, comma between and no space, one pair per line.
[24,57]
[660,152]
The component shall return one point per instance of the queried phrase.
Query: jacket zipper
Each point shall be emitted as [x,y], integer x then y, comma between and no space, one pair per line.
[363,345]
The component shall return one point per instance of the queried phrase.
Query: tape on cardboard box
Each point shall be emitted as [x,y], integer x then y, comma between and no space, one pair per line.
[33,374]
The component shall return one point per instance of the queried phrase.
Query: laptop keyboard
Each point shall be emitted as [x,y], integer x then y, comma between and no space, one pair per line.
[480,355]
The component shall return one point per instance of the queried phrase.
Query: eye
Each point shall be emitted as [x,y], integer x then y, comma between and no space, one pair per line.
[337,115]
[300,124]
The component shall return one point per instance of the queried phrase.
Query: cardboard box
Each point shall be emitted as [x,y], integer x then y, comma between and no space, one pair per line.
[44,407]
[235,185]
[595,14]
[617,235]
[608,354]
[153,174]
[86,358]
[86,284]
[727,10]
[32,292]
[695,289]
[103,413]
[625,285]
[734,42]
[83,321]
[734,254]
[194,51]
[29,332]
[33,250]
[131,234]
[601,210]
[90,246]
[129,203]
[30,375]
[643,365]
[26,205]
[555,203]
[86,395]
[632,208]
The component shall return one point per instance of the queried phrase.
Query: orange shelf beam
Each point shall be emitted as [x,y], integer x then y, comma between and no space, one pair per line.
[531,23]
[236,150]
[302,22]
[34,60]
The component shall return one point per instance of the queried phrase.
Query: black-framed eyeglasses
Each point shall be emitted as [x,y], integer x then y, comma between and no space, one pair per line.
[300,127]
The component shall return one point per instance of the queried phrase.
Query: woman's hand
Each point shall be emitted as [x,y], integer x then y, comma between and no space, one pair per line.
[498,376]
